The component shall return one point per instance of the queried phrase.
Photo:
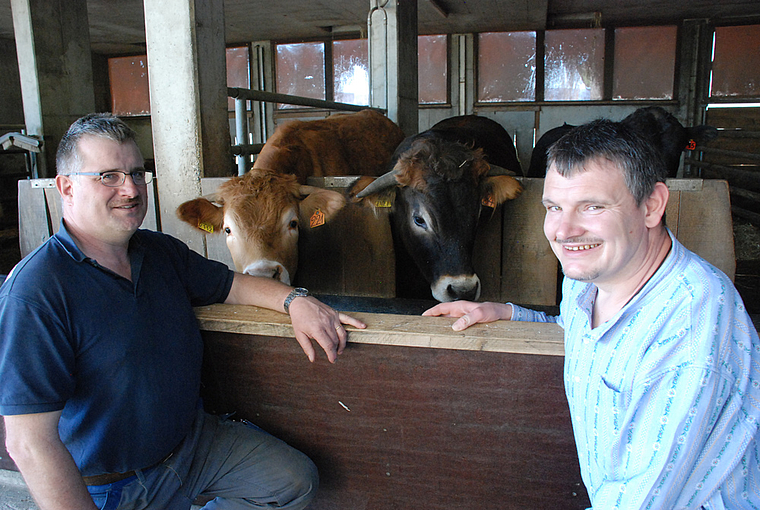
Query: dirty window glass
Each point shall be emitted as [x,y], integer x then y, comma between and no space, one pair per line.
[506,66]
[736,62]
[238,74]
[301,70]
[645,60]
[350,73]
[130,94]
[574,65]
[432,62]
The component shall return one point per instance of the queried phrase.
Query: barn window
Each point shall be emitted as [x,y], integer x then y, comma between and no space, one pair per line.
[506,66]
[129,85]
[301,70]
[736,62]
[128,77]
[432,65]
[644,63]
[238,71]
[574,65]
[350,72]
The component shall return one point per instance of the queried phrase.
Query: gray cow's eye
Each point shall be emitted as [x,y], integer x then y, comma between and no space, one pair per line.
[419,221]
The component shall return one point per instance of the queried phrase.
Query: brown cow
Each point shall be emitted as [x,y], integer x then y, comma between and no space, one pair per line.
[262,211]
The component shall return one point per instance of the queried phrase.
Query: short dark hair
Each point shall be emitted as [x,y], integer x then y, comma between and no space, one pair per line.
[641,164]
[104,125]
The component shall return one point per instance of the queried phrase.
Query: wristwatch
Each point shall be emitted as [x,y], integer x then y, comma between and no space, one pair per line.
[297,292]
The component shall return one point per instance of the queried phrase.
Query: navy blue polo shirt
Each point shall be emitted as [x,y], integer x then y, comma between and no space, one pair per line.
[121,359]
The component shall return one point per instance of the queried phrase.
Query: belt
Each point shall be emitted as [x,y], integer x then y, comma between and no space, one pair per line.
[109,478]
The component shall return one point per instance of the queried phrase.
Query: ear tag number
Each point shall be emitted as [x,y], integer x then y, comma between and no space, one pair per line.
[489,201]
[383,202]
[317,219]
[691,145]
[207,227]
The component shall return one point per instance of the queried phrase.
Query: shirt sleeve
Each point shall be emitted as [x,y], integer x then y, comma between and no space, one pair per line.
[527,315]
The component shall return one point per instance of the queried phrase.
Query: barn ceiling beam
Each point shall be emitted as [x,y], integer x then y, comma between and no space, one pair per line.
[440,8]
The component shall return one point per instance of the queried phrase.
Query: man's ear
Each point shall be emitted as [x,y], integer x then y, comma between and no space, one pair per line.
[656,204]
[65,186]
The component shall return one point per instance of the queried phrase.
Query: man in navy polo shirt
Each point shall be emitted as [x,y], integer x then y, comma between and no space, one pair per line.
[100,353]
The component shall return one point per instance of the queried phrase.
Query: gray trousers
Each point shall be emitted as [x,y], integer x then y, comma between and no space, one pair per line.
[238,465]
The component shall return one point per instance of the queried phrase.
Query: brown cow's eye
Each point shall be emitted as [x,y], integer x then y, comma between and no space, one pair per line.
[294,224]
[227,230]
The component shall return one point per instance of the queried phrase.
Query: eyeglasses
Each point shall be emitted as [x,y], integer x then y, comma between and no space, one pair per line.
[115,178]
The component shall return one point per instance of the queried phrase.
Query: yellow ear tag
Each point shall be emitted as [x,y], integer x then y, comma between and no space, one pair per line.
[383,202]
[317,219]
[489,201]
[207,227]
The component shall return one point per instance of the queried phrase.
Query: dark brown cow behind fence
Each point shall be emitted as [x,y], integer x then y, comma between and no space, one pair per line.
[261,212]
[440,182]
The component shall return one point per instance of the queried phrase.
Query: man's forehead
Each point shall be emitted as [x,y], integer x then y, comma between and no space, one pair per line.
[105,152]
[596,179]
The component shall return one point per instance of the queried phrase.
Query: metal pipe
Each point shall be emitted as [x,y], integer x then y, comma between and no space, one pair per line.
[241,133]
[272,97]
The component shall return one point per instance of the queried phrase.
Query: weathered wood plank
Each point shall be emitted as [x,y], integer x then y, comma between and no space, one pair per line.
[530,269]
[705,225]
[487,255]
[397,330]
[33,217]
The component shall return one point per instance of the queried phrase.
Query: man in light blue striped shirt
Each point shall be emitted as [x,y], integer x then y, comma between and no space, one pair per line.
[662,362]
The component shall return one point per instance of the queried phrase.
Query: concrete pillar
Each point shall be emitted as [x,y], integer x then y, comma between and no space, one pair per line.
[188,100]
[55,69]
[392,29]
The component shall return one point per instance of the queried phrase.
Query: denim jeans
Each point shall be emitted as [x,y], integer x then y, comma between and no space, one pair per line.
[238,465]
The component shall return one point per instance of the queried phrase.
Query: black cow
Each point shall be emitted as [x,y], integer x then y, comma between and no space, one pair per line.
[437,184]
[660,127]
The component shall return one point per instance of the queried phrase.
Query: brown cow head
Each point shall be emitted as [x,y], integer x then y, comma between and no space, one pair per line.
[260,213]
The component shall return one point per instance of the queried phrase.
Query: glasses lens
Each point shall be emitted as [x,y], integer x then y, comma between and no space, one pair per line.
[112,178]
[141,177]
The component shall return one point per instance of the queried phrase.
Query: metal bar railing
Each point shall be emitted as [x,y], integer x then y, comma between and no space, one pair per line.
[243,149]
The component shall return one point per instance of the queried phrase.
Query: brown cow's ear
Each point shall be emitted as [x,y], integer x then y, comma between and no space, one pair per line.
[319,206]
[202,214]
[498,189]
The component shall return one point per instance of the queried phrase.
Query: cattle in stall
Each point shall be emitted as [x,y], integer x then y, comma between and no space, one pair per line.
[261,212]
[660,127]
[436,187]
[537,167]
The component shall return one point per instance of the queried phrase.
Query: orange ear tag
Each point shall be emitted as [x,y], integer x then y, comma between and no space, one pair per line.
[207,227]
[317,219]
[691,145]
[489,201]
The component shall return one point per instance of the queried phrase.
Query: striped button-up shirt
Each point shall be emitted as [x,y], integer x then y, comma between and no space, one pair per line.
[665,396]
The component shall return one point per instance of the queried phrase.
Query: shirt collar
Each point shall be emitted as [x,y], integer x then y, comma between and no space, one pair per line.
[64,238]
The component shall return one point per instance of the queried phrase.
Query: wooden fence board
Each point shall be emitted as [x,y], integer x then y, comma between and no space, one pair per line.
[33,217]
[451,424]
[530,269]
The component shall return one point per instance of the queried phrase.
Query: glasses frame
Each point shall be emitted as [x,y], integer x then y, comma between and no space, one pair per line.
[148,176]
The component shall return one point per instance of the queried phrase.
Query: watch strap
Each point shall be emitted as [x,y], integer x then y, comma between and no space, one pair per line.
[297,292]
